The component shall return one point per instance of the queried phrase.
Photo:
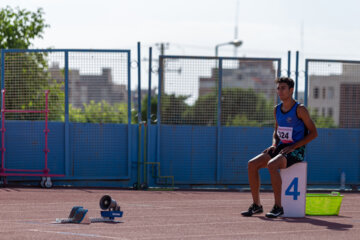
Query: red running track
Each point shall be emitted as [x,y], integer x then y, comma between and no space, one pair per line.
[27,213]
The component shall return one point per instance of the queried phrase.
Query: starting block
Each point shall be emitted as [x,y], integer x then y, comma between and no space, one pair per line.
[293,189]
[78,213]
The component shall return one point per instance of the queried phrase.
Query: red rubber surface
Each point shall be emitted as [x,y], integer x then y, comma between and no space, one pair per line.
[27,213]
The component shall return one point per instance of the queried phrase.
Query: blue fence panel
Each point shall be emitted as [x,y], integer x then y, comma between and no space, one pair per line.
[99,150]
[239,145]
[191,160]
[334,151]
[24,151]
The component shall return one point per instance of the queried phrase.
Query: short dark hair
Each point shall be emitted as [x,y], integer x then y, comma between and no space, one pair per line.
[287,80]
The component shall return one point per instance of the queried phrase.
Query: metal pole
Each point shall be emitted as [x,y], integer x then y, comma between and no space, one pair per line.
[306,82]
[67,124]
[148,120]
[158,109]
[149,88]
[297,75]
[289,64]
[218,135]
[139,81]
[140,142]
[278,75]
[129,111]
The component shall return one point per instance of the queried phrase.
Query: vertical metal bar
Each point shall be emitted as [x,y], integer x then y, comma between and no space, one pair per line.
[2,169]
[296,75]
[129,111]
[289,64]
[218,135]
[279,68]
[46,149]
[306,82]
[67,124]
[278,75]
[148,117]
[139,80]
[2,69]
[149,88]
[140,141]
[2,111]
[158,109]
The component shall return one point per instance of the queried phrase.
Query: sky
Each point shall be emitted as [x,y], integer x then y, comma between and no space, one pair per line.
[317,28]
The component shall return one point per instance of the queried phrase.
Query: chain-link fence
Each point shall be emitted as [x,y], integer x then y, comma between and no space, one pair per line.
[333,99]
[26,77]
[334,93]
[88,88]
[195,145]
[98,87]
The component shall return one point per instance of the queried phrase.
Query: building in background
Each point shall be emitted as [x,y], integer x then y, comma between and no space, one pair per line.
[257,75]
[337,96]
[86,88]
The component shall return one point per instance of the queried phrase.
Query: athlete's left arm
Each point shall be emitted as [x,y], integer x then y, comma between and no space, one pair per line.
[304,115]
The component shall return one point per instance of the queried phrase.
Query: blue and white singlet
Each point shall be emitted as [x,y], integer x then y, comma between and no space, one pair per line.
[290,129]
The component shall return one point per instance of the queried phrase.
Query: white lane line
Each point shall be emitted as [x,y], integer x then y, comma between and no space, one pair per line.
[242,234]
[79,234]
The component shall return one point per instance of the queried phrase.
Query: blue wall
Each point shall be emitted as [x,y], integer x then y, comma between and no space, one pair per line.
[99,153]
[189,153]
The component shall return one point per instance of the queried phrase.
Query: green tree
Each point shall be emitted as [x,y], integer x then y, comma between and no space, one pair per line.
[18,27]
[26,75]
[321,121]
[100,112]
[144,110]
[203,112]
[242,120]
[239,107]
[173,109]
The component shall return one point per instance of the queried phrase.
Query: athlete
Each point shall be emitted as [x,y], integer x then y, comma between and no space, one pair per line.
[293,130]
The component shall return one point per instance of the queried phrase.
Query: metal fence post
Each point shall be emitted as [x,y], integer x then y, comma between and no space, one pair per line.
[148,118]
[218,132]
[306,83]
[67,125]
[129,112]
[161,59]
[296,75]
[289,64]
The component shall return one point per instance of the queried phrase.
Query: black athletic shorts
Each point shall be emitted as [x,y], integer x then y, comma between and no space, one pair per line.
[294,157]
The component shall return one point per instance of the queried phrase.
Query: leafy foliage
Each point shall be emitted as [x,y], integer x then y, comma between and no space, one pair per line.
[18,27]
[321,121]
[101,112]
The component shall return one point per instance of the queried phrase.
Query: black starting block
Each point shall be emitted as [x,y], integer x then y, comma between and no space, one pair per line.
[78,213]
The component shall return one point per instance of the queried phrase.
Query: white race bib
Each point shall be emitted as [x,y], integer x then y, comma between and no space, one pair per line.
[285,134]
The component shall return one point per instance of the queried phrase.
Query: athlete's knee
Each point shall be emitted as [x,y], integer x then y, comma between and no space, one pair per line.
[252,166]
[272,166]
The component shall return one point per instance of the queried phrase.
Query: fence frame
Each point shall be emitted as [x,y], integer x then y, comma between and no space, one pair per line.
[67,122]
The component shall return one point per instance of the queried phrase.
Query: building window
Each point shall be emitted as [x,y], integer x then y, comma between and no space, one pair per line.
[316,111]
[330,112]
[316,93]
[331,92]
[323,112]
[324,93]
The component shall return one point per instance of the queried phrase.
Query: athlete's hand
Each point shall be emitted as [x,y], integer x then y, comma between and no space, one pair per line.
[287,150]
[269,149]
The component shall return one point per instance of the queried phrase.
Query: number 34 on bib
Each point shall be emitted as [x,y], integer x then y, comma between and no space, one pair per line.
[285,134]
